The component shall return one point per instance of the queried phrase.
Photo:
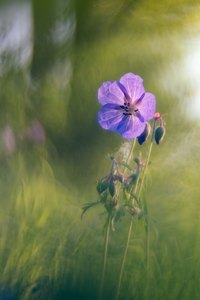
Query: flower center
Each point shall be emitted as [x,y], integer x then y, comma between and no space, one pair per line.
[129,109]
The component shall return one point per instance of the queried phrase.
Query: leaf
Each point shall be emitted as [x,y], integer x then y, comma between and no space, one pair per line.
[87,206]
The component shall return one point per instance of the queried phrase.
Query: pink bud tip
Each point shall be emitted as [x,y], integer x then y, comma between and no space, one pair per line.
[156,116]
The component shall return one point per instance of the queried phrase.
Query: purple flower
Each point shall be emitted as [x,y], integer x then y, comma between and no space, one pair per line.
[8,140]
[126,107]
[36,133]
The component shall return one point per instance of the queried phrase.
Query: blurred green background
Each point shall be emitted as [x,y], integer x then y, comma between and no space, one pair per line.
[53,57]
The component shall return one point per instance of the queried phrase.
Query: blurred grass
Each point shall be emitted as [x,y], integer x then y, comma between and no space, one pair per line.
[46,250]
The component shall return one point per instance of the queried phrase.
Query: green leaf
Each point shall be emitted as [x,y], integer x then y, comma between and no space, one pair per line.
[87,206]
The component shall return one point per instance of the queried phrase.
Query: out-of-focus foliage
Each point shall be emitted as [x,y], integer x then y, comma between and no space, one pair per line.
[46,250]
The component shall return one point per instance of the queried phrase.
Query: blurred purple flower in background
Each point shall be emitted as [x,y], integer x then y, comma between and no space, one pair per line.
[126,106]
[36,133]
[8,140]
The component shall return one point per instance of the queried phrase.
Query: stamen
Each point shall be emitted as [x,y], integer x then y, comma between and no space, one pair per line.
[127,114]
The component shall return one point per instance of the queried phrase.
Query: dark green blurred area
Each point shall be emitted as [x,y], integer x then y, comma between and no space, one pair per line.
[53,57]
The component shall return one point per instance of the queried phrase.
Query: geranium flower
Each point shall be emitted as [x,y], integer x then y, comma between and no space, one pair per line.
[126,107]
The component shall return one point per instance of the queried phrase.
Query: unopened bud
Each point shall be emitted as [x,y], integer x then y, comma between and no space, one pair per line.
[112,189]
[159,134]
[102,186]
[143,137]
[156,116]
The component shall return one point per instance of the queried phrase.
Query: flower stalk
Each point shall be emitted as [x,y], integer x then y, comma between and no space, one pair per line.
[126,109]
[137,191]
[107,233]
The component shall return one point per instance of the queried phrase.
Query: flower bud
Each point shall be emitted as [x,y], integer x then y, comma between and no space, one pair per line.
[143,137]
[159,134]
[112,189]
[156,116]
[102,186]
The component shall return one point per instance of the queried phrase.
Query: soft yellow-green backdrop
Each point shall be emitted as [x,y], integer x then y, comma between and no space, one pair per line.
[46,250]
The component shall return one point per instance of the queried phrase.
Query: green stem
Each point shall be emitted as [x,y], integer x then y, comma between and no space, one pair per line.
[146,248]
[138,187]
[131,152]
[147,236]
[129,232]
[108,228]
[144,171]
[145,201]
[124,260]
[146,207]
[105,256]
[147,162]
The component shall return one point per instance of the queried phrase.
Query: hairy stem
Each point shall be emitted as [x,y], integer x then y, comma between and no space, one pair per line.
[140,186]
[123,260]
[145,201]
[146,207]
[129,232]
[109,225]
[137,191]
[105,255]
[130,156]
[147,235]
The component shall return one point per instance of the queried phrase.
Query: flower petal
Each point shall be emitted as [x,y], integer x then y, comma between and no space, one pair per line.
[134,85]
[103,92]
[110,116]
[131,127]
[110,92]
[147,106]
